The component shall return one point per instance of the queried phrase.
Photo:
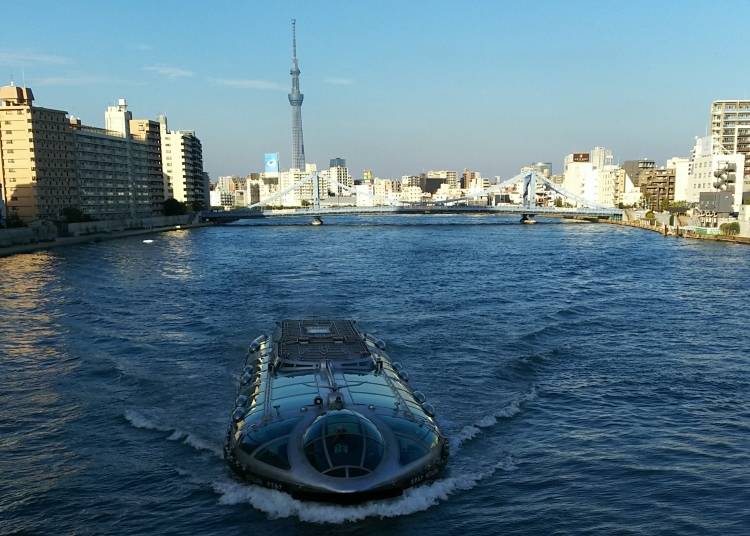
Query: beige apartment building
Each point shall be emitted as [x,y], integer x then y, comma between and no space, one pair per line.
[49,162]
[37,171]
[182,165]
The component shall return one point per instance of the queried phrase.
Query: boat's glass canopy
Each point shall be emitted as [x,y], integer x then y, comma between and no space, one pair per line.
[343,443]
[269,443]
[415,439]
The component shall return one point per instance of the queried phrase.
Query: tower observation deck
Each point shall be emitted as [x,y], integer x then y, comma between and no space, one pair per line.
[295,99]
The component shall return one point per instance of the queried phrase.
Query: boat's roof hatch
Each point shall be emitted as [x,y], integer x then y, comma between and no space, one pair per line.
[319,339]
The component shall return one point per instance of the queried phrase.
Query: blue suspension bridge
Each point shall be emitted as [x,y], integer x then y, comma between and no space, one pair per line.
[467,204]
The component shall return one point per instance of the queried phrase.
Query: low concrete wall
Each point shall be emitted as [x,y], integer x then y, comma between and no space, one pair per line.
[49,232]
[42,232]
[110,226]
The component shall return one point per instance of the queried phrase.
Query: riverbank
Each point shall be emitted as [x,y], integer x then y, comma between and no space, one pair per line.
[93,237]
[678,232]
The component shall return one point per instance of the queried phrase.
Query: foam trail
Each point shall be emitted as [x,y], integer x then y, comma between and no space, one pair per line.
[138,420]
[196,442]
[469,432]
[277,504]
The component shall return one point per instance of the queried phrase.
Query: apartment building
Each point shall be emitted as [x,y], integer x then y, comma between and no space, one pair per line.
[182,164]
[37,171]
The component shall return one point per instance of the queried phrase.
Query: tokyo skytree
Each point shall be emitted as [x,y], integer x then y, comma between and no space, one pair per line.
[295,99]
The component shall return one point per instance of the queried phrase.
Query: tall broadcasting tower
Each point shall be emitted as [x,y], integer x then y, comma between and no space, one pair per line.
[295,99]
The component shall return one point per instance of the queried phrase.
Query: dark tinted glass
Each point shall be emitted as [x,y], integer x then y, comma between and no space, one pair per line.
[275,454]
[409,451]
[345,449]
[316,455]
[373,454]
[264,434]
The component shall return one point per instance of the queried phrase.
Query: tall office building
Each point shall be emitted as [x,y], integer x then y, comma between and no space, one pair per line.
[730,129]
[295,99]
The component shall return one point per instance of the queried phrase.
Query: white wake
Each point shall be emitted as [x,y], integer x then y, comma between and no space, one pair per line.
[511,409]
[139,420]
[277,504]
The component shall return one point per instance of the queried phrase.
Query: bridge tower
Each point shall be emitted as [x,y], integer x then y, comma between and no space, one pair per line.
[529,197]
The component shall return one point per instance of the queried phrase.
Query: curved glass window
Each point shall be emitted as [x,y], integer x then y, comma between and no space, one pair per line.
[414,441]
[343,444]
[275,453]
[252,439]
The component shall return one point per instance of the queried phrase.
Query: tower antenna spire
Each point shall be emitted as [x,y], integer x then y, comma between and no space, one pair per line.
[294,40]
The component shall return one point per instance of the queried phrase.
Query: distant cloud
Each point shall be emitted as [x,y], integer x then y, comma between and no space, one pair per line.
[169,72]
[9,57]
[79,80]
[250,84]
[339,81]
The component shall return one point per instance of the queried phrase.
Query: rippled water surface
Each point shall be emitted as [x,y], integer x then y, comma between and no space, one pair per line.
[593,379]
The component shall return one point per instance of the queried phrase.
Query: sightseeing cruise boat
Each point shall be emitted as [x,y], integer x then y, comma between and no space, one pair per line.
[322,413]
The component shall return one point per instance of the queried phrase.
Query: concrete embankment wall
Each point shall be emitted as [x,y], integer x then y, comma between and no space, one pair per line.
[109,226]
[46,234]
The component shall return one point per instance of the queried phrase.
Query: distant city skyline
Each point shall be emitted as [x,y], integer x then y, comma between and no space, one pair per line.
[401,88]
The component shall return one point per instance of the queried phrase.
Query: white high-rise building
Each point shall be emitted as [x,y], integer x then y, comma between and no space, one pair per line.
[601,157]
[580,178]
[704,162]
[338,175]
[681,176]
[730,129]
[182,164]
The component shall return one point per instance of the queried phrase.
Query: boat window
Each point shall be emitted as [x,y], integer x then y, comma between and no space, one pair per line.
[373,455]
[340,472]
[374,399]
[316,455]
[345,449]
[356,471]
[409,450]
[252,439]
[341,439]
[275,454]
[414,441]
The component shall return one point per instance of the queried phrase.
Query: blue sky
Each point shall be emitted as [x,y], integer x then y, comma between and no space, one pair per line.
[400,87]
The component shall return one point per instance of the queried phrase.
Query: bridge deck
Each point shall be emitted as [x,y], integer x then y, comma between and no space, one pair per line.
[553,212]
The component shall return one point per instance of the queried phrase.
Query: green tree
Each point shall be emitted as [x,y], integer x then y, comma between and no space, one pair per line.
[14,220]
[730,229]
[558,202]
[650,215]
[75,215]
[172,207]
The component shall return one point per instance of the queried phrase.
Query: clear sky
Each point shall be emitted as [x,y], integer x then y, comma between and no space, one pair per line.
[398,86]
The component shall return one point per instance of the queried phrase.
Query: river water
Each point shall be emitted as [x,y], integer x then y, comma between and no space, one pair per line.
[593,379]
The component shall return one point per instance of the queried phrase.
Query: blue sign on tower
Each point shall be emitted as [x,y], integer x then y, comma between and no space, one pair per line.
[271,162]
